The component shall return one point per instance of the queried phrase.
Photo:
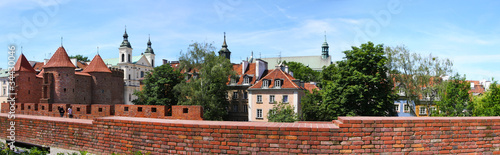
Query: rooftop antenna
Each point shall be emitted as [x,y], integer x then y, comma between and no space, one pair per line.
[280,57]
[21,49]
[97,50]
[61,41]
[325,36]
[260,55]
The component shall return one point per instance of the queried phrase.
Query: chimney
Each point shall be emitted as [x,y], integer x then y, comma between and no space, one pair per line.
[45,61]
[73,61]
[244,65]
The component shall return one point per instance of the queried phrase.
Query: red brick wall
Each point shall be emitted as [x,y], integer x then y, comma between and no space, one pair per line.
[84,89]
[64,79]
[432,135]
[29,88]
[140,111]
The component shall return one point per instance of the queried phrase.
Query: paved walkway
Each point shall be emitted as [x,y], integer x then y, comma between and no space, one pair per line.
[55,150]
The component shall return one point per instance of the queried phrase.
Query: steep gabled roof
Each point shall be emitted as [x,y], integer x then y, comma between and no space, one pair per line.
[59,59]
[274,75]
[310,87]
[22,65]
[97,65]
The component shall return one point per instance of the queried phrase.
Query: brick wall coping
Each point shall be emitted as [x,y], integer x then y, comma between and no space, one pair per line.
[218,124]
[364,119]
[47,118]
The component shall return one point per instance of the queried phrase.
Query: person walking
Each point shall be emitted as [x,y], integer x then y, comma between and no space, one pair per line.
[70,112]
[61,111]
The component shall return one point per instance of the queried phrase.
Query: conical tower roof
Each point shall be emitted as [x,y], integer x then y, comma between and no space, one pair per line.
[22,65]
[149,49]
[97,65]
[59,59]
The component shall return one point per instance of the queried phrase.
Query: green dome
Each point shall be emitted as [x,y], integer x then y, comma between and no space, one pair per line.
[125,42]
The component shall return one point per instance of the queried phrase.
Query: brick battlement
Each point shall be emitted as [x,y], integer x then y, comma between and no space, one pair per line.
[91,111]
[347,135]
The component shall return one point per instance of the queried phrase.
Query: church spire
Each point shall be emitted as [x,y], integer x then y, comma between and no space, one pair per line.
[324,49]
[125,42]
[149,49]
[224,51]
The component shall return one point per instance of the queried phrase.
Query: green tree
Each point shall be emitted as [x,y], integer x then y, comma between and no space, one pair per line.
[489,103]
[158,87]
[455,99]
[311,106]
[302,72]
[417,77]
[360,86]
[282,112]
[209,89]
[80,58]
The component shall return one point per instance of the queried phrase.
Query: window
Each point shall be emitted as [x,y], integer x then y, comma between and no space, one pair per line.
[185,110]
[129,77]
[406,108]
[271,111]
[271,98]
[277,83]
[265,84]
[125,109]
[235,108]
[423,110]
[246,80]
[129,97]
[285,98]
[123,57]
[259,98]
[245,95]
[4,90]
[245,108]
[100,109]
[153,109]
[129,58]
[139,109]
[396,107]
[235,95]
[259,113]
[77,109]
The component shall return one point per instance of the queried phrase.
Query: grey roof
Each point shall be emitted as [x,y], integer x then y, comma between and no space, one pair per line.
[314,62]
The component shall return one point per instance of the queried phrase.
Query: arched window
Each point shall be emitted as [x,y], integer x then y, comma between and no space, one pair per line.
[129,58]
[142,74]
[123,57]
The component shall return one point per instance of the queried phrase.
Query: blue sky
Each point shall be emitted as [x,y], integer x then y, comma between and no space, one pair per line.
[467,32]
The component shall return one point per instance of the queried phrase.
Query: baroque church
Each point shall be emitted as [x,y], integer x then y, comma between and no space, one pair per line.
[134,67]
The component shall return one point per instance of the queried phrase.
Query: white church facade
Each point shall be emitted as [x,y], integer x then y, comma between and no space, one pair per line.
[134,67]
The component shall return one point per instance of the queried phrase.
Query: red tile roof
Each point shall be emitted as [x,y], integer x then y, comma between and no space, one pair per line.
[40,75]
[97,65]
[59,59]
[81,65]
[22,65]
[277,74]
[81,73]
[38,66]
[310,87]
[478,88]
[250,71]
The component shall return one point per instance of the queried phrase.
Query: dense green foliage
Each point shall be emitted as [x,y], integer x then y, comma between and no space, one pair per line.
[357,86]
[209,89]
[311,104]
[282,112]
[158,87]
[80,58]
[455,99]
[488,104]
[302,72]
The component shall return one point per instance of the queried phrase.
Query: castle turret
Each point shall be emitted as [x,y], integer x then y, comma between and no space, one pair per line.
[27,85]
[224,51]
[63,81]
[101,80]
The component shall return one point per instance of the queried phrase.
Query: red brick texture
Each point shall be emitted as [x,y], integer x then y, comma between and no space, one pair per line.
[348,135]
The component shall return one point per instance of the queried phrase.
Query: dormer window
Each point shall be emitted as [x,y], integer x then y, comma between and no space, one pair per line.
[246,80]
[265,84]
[233,81]
[278,83]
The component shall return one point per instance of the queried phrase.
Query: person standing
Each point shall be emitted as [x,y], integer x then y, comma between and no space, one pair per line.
[70,112]
[61,111]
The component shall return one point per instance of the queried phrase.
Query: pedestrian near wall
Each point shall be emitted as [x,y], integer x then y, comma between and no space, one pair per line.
[61,111]
[70,112]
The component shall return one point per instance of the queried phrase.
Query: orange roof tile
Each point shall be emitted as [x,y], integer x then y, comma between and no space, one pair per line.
[38,66]
[310,87]
[277,74]
[97,65]
[81,73]
[22,65]
[40,75]
[59,59]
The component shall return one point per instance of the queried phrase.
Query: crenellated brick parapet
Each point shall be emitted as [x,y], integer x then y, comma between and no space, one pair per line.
[347,135]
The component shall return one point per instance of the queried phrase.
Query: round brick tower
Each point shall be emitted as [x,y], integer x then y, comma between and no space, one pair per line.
[28,85]
[101,81]
[63,72]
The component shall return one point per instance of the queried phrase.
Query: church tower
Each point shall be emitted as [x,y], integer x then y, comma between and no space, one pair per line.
[224,51]
[324,49]
[125,50]
[150,55]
